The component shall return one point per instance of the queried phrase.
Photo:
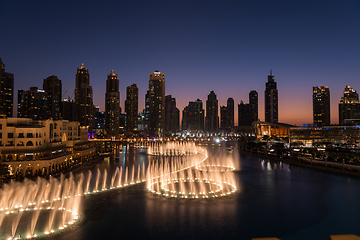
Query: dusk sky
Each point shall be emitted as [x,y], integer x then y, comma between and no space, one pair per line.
[225,46]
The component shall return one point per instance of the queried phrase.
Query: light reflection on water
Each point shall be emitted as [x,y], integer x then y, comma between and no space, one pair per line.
[276,199]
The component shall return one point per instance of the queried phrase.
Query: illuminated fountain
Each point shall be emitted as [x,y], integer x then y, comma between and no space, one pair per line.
[173,149]
[41,208]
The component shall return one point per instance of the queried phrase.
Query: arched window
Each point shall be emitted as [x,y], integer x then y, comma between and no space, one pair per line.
[21,143]
[29,143]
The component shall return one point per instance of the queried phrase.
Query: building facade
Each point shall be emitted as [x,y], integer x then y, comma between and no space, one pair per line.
[271,100]
[212,116]
[112,105]
[53,89]
[83,98]
[6,91]
[156,103]
[254,103]
[349,106]
[172,115]
[32,104]
[193,116]
[131,108]
[321,106]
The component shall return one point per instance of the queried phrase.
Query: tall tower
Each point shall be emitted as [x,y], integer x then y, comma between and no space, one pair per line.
[112,105]
[349,106]
[6,91]
[172,115]
[83,98]
[253,101]
[193,116]
[156,103]
[53,89]
[212,116]
[271,100]
[230,113]
[321,106]
[131,108]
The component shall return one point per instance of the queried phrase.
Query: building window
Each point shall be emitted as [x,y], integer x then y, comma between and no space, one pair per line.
[0,135]
[29,143]
[21,135]
[29,135]
[0,126]
[10,135]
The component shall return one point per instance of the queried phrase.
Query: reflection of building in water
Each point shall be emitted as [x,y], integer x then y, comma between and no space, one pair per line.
[42,147]
[280,130]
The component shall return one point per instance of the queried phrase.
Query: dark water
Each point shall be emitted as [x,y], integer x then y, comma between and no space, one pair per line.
[274,200]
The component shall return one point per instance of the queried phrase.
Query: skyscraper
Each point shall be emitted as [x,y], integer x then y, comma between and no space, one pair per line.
[31,104]
[223,118]
[253,101]
[156,103]
[112,105]
[193,116]
[230,113]
[271,100]
[172,115]
[244,114]
[53,88]
[321,106]
[212,116]
[6,91]
[349,106]
[131,108]
[83,98]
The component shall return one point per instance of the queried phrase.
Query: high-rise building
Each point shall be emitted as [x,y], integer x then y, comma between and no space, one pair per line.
[349,106]
[83,98]
[156,103]
[230,113]
[53,88]
[271,100]
[253,101]
[223,118]
[248,112]
[172,115]
[112,105]
[20,104]
[6,91]
[67,110]
[212,116]
[244,114]
[321,106]
[32,104]
[193,116]
[146,111]
[131,108]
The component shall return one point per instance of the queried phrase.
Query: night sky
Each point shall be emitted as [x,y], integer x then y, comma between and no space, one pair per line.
[225,46]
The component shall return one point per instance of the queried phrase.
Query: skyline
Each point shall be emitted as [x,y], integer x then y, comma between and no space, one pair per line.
[226,47]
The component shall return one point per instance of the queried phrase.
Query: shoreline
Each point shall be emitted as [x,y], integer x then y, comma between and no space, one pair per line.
[331,167]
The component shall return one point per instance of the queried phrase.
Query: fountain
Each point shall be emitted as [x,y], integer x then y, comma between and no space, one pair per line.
[176,170]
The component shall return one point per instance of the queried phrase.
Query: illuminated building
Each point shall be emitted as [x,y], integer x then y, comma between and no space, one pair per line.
[253,101]
[6,91]
[31,104]
[271,100]
[172,115]
[131,108]
[156,103]
[223,118]
[212,116]
[272,130]
[83,98]
[53,88]
[321,106]
[193,116]
[112,105]
[349,106]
